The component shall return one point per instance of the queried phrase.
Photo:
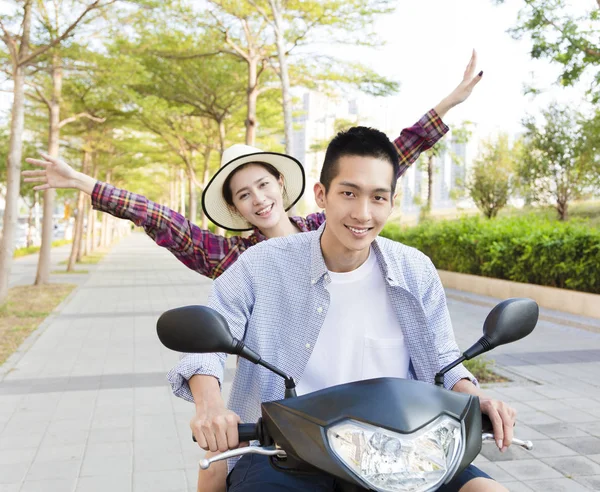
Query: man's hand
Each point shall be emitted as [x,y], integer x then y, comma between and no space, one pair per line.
[503,419]
[463,90]
[215,427]
[56,173]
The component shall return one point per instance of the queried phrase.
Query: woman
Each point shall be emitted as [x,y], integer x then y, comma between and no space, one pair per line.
[251,190]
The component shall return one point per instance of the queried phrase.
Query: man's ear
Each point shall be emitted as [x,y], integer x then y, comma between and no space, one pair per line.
[320,195]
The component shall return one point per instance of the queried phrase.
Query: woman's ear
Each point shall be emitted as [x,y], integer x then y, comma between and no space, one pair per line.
[320,195]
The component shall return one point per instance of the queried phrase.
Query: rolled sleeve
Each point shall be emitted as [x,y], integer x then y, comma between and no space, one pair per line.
[418,138]
[455,375]
[436,308]
[191,365]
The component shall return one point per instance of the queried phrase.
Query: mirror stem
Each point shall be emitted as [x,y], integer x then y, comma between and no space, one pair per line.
[439,377]
[290,388]
[290,384]
[238,347]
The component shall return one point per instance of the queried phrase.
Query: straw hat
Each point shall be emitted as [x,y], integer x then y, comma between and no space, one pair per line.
[215,206]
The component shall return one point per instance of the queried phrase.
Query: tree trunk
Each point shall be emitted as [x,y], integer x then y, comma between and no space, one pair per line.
[283,75]
[429,183]
[193,200]
[222,138]
[562,206]
[78,227]
[205,180]
[251,99]
[181,182]
[104,227]
[43,269]
[30,223]
[177,190]
[90,244]
[172,185]
[286,96]
[81,252]
[13,165]
[95,239]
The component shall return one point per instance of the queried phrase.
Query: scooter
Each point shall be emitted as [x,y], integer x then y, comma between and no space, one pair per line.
[385,434]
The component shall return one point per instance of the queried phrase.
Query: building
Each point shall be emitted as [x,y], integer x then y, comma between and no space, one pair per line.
[319,117]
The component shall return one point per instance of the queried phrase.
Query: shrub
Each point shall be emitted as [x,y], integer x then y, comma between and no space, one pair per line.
[528,249]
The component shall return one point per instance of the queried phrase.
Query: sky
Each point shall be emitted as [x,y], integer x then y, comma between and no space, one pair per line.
[428,45]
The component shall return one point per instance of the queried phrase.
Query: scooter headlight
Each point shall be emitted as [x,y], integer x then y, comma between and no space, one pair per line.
[393,462]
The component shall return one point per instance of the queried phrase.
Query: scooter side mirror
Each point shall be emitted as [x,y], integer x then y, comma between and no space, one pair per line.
[202,330]
[508,322]
[195,329]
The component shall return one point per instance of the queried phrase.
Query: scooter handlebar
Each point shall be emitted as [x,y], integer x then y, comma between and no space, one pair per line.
[246,433]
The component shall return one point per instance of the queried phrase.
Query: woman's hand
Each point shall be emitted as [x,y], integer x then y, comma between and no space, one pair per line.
[463,90]
[56,173]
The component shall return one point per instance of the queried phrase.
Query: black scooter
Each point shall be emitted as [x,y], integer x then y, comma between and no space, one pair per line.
[384,434]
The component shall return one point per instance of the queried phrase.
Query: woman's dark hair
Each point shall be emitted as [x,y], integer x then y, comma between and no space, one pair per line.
[360,141]
[228,194]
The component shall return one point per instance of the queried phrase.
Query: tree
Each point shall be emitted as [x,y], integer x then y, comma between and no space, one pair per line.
[559,163]
[23,53]
[564,37]
[296,24]
[460,135]
[490,182]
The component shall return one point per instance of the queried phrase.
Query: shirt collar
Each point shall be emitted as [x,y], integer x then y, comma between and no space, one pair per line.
[318,268]
[299,222]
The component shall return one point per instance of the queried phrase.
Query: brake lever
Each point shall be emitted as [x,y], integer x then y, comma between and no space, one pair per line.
[232,453]
[487,436]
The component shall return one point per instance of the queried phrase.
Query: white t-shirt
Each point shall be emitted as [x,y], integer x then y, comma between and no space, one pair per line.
[361,337]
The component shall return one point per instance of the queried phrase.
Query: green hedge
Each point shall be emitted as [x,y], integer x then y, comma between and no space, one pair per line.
[526,249]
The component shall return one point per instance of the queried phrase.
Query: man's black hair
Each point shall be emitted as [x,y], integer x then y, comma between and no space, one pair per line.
[360,141]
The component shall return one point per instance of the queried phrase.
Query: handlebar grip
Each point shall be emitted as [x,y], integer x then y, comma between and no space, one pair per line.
[486,424]
[246,432]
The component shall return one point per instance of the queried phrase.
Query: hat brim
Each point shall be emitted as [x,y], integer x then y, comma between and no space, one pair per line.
[221,214]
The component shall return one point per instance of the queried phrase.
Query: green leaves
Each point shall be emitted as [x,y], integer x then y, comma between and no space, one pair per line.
[490,182]
[560,160]
[564,35]
[531,249]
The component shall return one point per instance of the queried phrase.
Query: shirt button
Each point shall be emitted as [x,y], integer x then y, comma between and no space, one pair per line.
[327,277]
[313,282]
[308,345]
[319,309]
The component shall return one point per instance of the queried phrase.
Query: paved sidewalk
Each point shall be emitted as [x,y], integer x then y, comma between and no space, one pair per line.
[24,268]
[84,405]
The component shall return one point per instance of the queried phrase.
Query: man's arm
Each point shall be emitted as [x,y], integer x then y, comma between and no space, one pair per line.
[459,378]
[199,375]
[439,324]
[502,415]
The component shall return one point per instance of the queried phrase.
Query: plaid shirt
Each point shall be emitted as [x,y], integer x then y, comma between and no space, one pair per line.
[210,254]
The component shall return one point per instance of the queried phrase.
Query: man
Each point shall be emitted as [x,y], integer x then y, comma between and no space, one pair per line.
[340,297]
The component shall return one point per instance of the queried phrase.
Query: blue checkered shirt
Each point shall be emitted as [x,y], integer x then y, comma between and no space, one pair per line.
[275,299]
